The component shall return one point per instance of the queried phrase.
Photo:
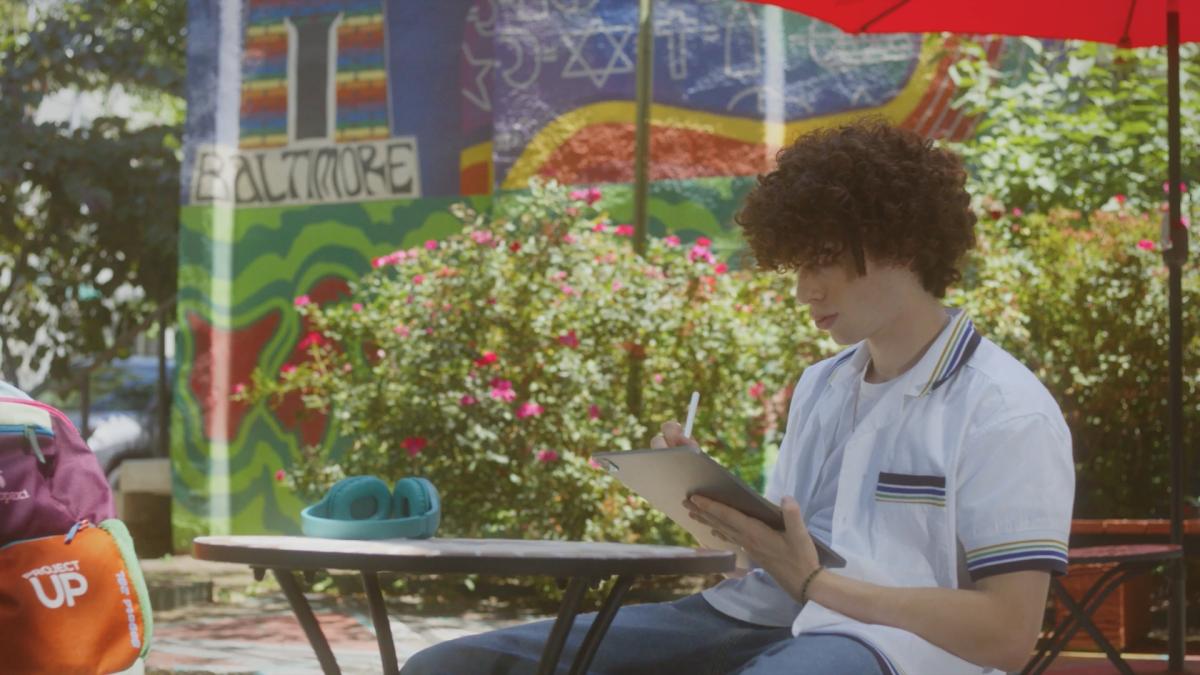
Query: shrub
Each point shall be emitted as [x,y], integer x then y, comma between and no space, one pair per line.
[1084,305]
[495,362]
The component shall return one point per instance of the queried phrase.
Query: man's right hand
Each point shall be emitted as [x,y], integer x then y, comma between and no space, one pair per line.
[672,437]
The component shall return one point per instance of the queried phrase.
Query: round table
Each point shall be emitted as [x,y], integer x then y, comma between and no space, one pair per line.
[581,563]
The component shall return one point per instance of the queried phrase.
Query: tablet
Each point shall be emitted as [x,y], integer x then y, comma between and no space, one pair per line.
[665,477]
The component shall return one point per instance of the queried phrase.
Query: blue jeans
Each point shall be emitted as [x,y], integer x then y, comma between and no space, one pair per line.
[684,636]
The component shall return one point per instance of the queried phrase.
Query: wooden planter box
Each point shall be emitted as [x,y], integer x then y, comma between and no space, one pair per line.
[1123,617]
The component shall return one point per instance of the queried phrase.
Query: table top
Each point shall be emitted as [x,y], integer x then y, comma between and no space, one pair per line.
[462,556]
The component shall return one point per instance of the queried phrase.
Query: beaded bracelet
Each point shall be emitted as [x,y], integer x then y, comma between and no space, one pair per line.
[807,581]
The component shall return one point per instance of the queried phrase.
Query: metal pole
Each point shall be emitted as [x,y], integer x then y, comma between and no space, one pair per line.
[645,94]
[1174,256]
[641,170]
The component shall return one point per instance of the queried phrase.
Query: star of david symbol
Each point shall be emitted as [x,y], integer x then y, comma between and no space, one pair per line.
[579,65]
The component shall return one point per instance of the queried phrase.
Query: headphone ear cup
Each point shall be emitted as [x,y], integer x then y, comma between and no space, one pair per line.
[411,498]
[359,498]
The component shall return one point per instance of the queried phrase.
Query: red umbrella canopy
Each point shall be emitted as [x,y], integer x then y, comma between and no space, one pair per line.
[1129,23]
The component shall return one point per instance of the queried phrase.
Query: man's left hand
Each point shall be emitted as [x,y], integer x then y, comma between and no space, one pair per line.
[788,556]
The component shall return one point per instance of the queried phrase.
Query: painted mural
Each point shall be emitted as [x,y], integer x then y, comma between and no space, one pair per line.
[324,133]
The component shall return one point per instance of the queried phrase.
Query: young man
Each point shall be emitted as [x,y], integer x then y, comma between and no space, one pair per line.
[929,458]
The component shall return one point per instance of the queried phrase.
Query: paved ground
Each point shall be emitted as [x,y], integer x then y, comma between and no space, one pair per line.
[251,630]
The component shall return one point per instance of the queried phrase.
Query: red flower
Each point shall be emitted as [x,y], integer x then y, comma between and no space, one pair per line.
[466,400]
[515,246]
[487,359]
[593,411]
[569,339]
[624,231]
[280,475]
[1120,198]
[288,368]
[1146,245]
[721,268]
[413,445]
[757,389]
[313,338]
[547,456]
[671,240]
[302,301]
[703,241]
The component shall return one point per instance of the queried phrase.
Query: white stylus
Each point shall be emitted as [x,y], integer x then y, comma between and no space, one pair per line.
[691,417]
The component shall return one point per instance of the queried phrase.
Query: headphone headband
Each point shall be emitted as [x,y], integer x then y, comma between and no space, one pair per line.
[340,514]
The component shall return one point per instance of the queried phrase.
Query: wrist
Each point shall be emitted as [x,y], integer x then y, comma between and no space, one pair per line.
[806,586]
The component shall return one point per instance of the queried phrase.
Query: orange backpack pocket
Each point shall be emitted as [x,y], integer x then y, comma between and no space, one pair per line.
[73,603]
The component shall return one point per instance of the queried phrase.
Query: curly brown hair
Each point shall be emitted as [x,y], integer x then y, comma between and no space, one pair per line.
[865,186]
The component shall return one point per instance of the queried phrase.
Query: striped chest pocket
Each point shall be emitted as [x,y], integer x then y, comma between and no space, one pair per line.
[908,488]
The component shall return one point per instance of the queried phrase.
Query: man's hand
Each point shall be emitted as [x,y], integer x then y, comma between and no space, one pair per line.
[789,556]
[672,437]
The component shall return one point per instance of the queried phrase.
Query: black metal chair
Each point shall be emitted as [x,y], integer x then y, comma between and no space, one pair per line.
[1129,561]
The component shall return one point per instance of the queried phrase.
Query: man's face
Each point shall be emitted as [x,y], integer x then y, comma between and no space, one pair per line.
[851,307]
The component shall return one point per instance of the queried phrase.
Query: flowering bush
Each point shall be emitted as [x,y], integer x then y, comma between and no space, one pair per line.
[495,362]
[1083,303]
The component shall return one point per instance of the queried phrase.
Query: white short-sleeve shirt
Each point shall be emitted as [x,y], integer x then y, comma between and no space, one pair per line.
[962,470]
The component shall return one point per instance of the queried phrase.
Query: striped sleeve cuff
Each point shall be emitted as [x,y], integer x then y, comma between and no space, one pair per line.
[1047,555]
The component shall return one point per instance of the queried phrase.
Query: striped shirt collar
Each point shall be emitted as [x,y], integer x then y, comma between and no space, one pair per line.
[950,350]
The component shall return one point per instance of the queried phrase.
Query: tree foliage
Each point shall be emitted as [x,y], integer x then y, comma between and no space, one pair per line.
[1079,124]
[88,212]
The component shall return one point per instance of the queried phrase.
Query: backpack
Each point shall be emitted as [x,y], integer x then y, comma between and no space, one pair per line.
[72,598]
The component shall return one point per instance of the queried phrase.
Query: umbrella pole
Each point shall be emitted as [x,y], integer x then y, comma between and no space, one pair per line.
[645,92]
[1174,256]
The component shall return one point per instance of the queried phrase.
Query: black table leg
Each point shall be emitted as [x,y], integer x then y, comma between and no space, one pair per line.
[1078,616]
[587,650]
[562,626]
[383,628]
[1086,622]
[308,622]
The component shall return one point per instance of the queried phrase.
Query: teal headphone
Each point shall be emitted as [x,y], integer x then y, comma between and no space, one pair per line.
[362,507]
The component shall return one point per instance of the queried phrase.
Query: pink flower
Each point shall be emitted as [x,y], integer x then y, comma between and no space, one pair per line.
[658,378]
[572,211]
[1146,245]
[1167,186]
[671,240]
[414,445]
[418,279]
[699,252]
[288,368]
[721,268]
[703,241]
[393,258]
[757,389]
[624,231]
[357,307]
[238,389]
[594,464]
[481,236]
[590,195]
[569,339]
[547,456]
[529,409]
[1184,221]
[401,330]
[302,301]
[599,227]
[431,245]
[567,290]
[311,339]
[466,400]
[1017,212]
[617,285]
[558,276]
[1120,198]
[280,475]
[502,391]
[568,239]
[593,411]
[487,359]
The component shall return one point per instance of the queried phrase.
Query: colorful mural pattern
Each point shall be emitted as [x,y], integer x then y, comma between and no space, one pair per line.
[493,92]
